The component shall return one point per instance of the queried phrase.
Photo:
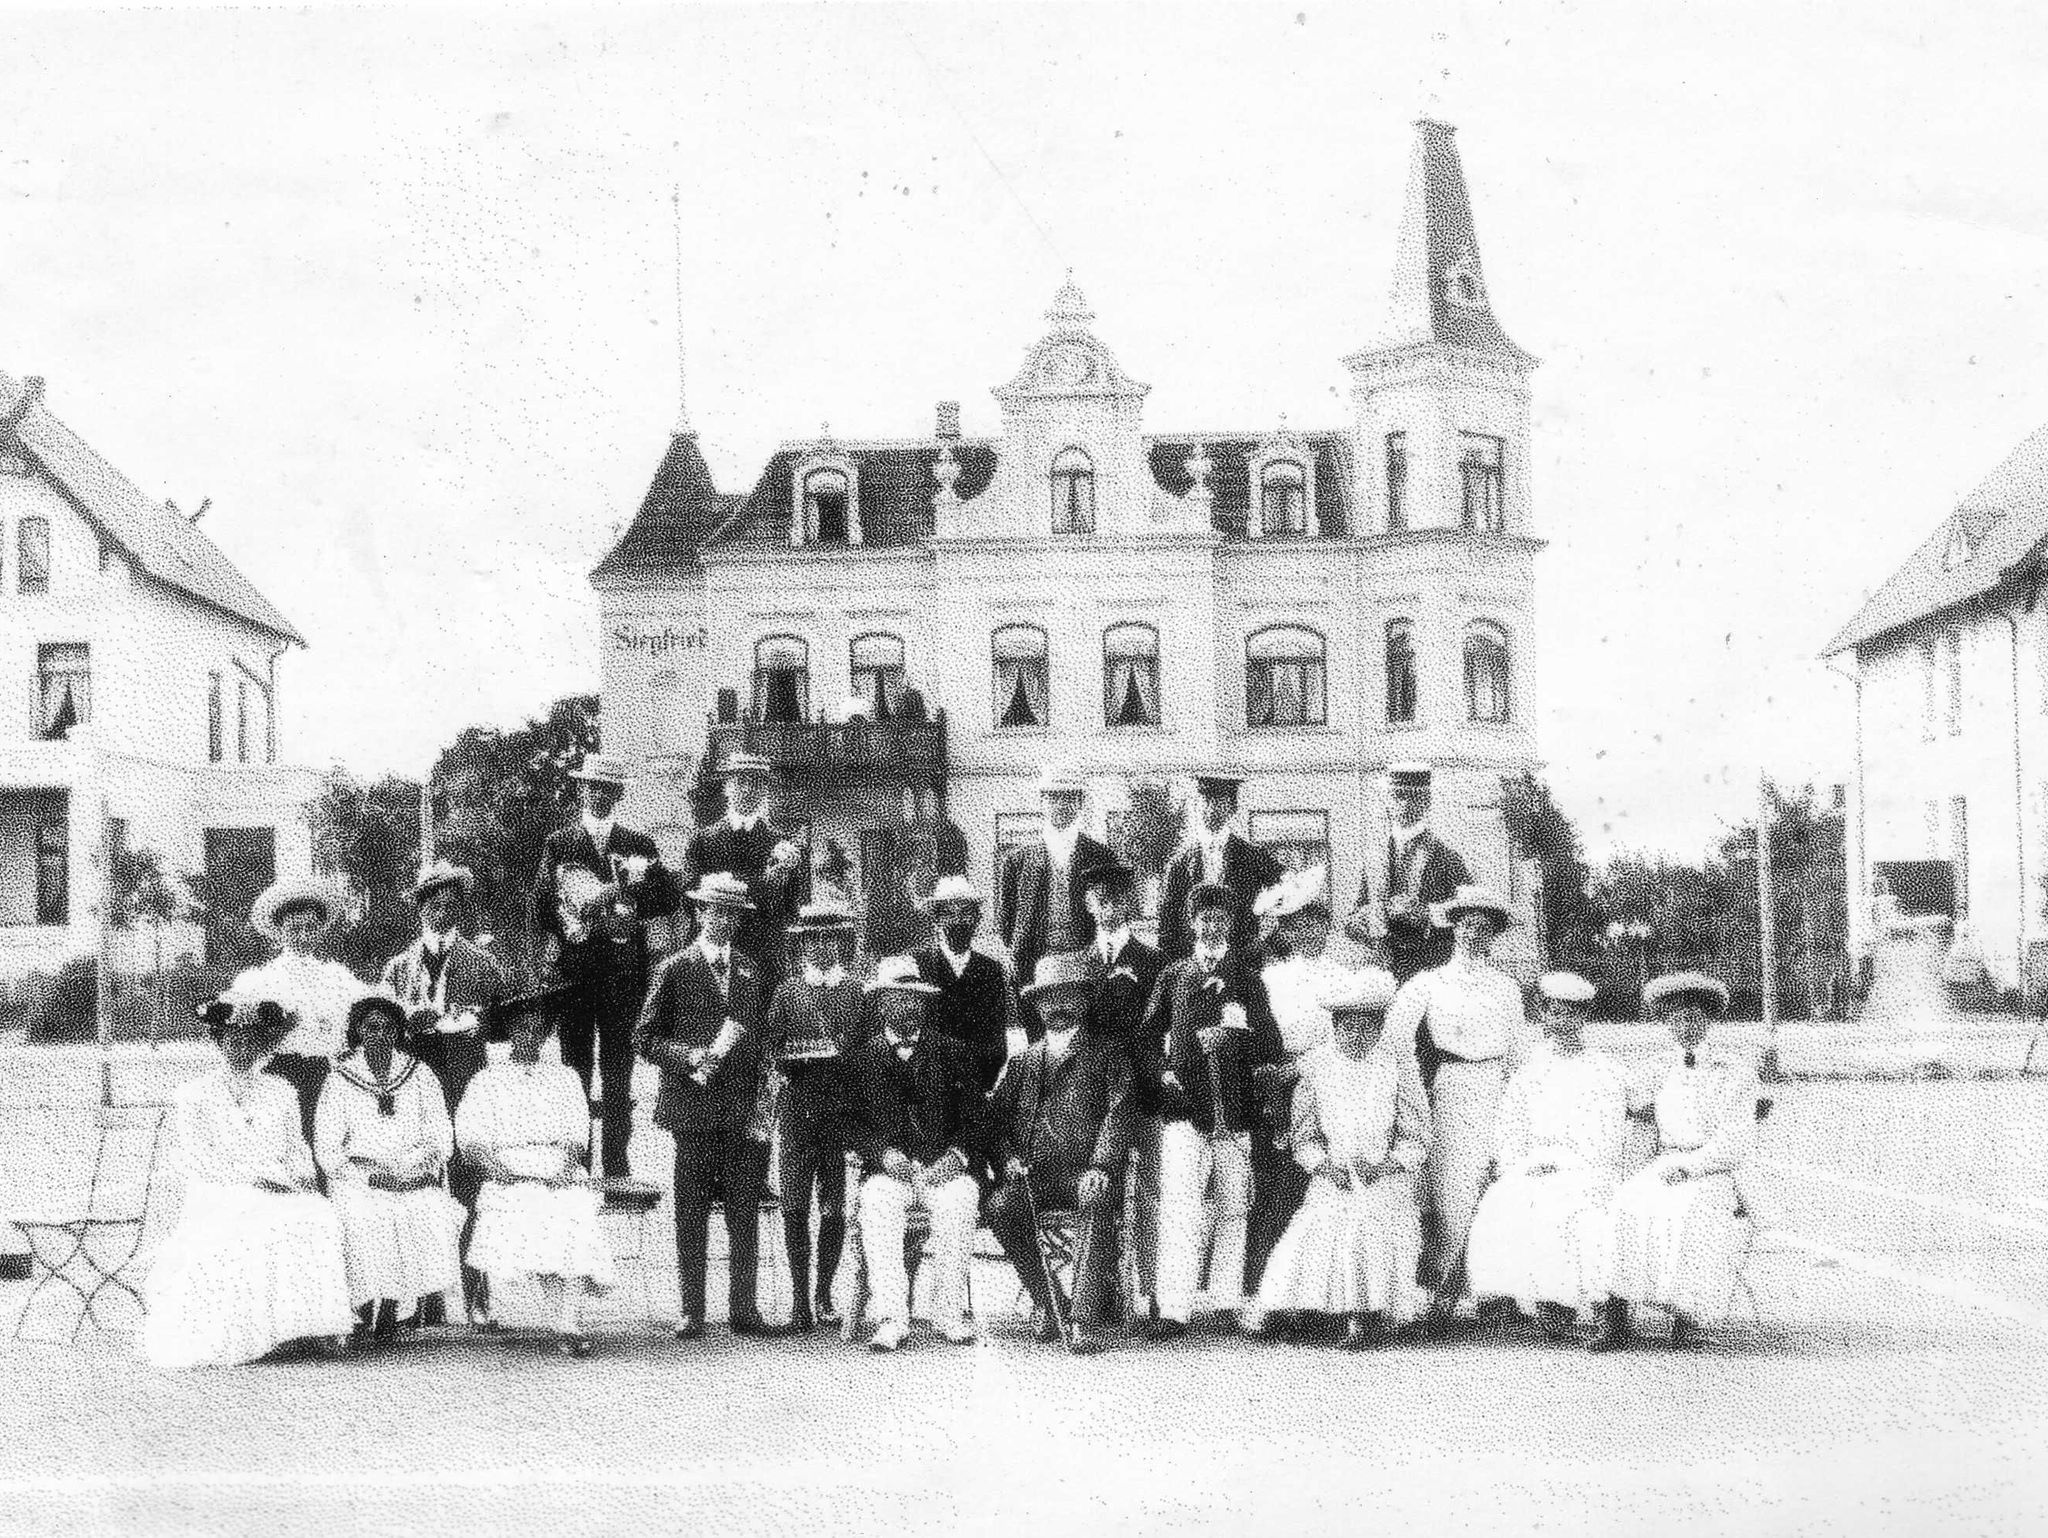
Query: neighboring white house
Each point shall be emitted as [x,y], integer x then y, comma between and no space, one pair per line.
[142,671]
[1301,606]
[1951,658]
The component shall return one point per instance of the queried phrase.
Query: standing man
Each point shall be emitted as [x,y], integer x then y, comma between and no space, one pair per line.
[599,883]
[972,1004]
[1215,856]
[1040,906]
[448,985]
[775,866]
[1421,871]
[700,1026]
[1125,966]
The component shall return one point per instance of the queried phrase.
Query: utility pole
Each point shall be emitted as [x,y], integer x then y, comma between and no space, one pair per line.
[1767,934]
[427,819]
[103,979]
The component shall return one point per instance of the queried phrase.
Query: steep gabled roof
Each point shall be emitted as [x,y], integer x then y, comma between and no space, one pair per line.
[896,491]
[682,509]
[1993,529]
[159,541]
[1230,476]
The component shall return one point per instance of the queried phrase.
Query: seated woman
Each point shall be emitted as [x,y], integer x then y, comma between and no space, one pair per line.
[526,1125]
[1540,1234]
[1361,1130]
[255,1260]
[314,991]
[1680,1233]
[382,1137]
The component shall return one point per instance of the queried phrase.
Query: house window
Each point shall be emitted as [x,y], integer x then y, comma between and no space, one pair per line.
[1401,690]
[782,679]
[1952,657]
[1073,492]
[32,556]
[1298,840]
[1284,677]
[1959,851]
[877,668]
[241,721]
[214,728]
[1397,481]
[825,508]
[63,691]
[1283,499]
[1479,471]
[1489,673]
[1130,676]
[53,864]
[1023,694]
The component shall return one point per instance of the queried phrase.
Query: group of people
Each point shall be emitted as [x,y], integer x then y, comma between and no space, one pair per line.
[1262,1128]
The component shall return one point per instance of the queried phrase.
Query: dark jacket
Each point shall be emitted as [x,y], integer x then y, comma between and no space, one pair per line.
[1122,990]
[471,979]
[1022,880]
[616,949]
[1248,869]
[743,854]
[800,1020]
[972,1007]
[1417,944]
[1182,1004]
[920,1108]
[1067,1117]
[685,1009]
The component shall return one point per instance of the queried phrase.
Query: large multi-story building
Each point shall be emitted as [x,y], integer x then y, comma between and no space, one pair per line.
[143,673]
[919,623]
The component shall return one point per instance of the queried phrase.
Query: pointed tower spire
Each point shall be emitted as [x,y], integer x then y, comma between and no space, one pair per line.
[682,427]
[1439,290]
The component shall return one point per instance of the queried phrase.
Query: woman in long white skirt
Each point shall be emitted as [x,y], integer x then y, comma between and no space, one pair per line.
[1682,1227]
[255,1259]
[1540,1234]
[1361,1130]
[527,1125]
[383,1137]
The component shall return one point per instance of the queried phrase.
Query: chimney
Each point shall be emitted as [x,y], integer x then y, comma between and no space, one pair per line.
[949,420]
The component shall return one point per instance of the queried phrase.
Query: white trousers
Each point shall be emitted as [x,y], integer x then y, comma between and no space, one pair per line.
[885,1207]
[1205,1193]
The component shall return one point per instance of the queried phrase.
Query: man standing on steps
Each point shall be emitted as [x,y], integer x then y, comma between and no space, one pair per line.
[1215,855]
[774,865]
[1041,906]
[1420,872]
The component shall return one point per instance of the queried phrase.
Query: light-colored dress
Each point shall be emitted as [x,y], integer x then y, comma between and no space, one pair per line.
[245,1270]
[317,993]
[1543,1238]
[1354,1251]
[1681,1247]
[1294,987]
[399,1244]
[527,1228]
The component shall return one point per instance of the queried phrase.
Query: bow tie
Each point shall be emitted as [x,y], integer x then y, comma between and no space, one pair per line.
[904,1048]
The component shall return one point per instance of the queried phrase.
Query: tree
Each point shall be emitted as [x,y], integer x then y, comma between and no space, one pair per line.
[1540,831]
[144,894]
[368,835]
[1150,829]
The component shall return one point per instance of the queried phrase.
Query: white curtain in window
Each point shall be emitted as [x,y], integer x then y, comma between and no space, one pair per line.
[878,674]
[66,689]
[1284,677]
[1487,675]
[1130,673]
[1021,676]
[1282,508]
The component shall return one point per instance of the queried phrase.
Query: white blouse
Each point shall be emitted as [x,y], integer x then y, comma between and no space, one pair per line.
[1294,985]
[1707,1114]
[514,1105]
[228,1132]
[1346,1109]
[1473,1009]
[318,994]
[1570,1110]
[415,1139]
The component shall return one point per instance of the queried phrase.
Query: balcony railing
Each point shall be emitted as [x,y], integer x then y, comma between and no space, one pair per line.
[905,747]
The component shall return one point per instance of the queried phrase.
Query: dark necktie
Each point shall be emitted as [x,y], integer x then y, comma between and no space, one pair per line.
[722,968]
[434,961]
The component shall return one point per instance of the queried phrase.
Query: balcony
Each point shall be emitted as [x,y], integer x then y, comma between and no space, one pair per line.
[912,749]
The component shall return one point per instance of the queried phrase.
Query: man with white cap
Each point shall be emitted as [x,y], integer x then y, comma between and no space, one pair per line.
[1541,1232]
[973,1004]
[916,1119]
[775,865]
[598,885]
[1216,855]
[1396,914]
[1041,907]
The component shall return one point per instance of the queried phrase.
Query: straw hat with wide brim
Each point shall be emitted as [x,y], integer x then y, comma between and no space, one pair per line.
[821,918]
[1474,899]
[951,889]
[1675,989]
[440,873]
[307,891]
[718,889]
[897,974]
[1067,969]
[601,769]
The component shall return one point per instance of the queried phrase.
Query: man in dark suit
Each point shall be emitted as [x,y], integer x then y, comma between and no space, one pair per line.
[1040,907]
[449,986]
[1420,872]
[745,844]
[598,885]
[1060,1130]
[700,1026]
[1125,967]
[1218,856]
[917,1121]
[972,1004]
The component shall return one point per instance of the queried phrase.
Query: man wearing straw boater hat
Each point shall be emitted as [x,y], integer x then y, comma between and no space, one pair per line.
[1216,855]
[775,866]
[700,1027]
[1041,908]
[599,883]
[972,1004]
[1396,905]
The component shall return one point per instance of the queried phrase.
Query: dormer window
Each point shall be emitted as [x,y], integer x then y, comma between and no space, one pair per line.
[1073,492]
[1957,551]
[1485,509]
[825,499]
[1283,500]
[825,503]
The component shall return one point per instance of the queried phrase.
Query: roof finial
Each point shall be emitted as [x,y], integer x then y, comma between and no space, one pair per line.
[682,361]
[1069,310]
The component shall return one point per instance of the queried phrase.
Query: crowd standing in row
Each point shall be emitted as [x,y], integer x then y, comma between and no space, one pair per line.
[1306,1141]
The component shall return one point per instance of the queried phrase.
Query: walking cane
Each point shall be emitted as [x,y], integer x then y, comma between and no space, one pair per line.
[1054,1301]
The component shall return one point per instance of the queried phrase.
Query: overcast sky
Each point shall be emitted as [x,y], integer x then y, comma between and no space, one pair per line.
[397,292]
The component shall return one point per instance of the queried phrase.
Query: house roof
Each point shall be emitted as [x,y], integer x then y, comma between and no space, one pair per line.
[1230,476]
[161,542]
[1999,523]
[681,510]
[896,491]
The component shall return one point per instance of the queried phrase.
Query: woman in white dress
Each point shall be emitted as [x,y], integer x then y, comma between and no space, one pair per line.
[1361,1131]
[314,992]
[255,1260]
[526,1124]
[383,1137]
[1466,1022]
[1681,1225]
[1540,1235]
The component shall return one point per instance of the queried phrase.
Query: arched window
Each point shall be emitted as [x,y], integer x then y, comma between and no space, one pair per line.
[1023,693]
[825,507]
[1489,674]
[1073,492]
[1283,499]
[1401,690]
[1130,676]
[1484,509]
[782,679]
[877,671]
[1284,677]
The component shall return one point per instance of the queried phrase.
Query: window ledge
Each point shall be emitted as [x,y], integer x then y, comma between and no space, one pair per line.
[1019,731]
[1322,730]
[1155,730]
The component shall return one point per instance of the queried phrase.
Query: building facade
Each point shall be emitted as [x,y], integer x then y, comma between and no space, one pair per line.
[911,627]
[142,670]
